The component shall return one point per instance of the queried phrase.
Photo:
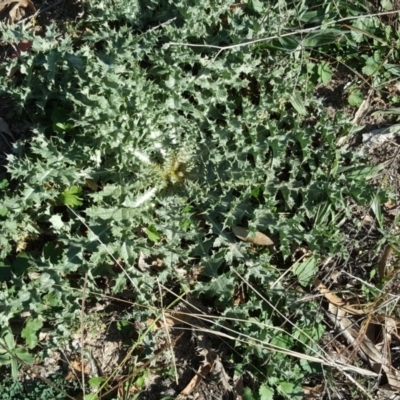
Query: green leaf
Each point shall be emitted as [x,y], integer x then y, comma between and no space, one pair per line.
[298,104]
[362,28]
[248,394]
[3,211]
[91,396]
[8,343]
[290,390]
[361,173]
[289,43]
[152,234]
[376,207]
[324,72]
[56,222]
[389,111]
[96,381]
[321,37]
[255,192]
[256,5]
[266,393]
[62,127]
[24,356]
[29,333]
[5,358]
[387,5]
[282,341]
[394,69]
[313,17]
[355,98]
[51,299]
[305,270]
[70,196]
[141,380]
[371,66]
[14,368]
[3,184]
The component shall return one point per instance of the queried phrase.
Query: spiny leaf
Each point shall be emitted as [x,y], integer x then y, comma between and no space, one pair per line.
[29,333]
[152,234]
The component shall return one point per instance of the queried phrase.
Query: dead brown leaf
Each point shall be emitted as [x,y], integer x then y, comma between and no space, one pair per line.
[355,309]
[313,393]
[158,263]
[259,238]
[76,367]
[390,204]
[126,391]
[378,354]
[383,271]
[239,295]
[15,10]
[91,184]
[201,373]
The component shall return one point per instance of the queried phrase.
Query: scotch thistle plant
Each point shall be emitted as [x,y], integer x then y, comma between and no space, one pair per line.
[167,171]
[242,142]
[174,169]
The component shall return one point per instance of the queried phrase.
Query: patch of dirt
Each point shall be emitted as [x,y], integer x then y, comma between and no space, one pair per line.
[200,373]
[368,262]
[335,97]
[58,10]
[184,361]
[333,93]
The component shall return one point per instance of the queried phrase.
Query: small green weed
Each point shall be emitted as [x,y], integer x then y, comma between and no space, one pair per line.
[11,389]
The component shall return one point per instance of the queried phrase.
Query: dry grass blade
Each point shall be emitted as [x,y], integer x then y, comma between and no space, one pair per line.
[82,333]
[364,108]
[141,367]
[169,341]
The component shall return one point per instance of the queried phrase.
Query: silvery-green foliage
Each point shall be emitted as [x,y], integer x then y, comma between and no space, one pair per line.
[180,142]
